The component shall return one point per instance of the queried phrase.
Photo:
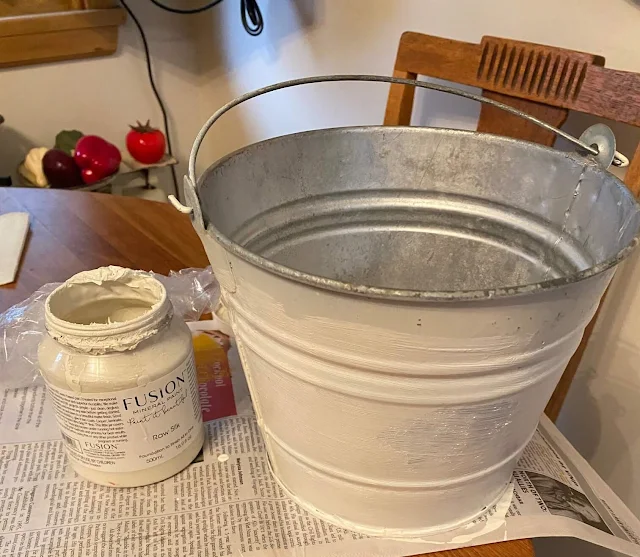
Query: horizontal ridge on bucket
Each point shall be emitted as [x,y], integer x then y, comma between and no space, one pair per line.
[304,234]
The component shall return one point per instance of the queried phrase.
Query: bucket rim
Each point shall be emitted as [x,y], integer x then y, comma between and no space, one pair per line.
[401,294]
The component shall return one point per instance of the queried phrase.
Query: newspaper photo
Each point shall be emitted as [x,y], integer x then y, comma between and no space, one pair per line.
[227,503]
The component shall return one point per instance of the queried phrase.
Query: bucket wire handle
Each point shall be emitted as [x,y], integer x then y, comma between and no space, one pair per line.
[594,148]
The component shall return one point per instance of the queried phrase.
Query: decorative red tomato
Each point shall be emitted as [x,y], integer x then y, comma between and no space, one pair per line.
[146,144]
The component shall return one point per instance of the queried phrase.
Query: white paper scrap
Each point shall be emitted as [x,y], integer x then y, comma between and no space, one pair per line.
[13,232]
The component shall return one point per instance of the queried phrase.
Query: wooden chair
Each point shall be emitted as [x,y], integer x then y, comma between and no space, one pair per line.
[543,81]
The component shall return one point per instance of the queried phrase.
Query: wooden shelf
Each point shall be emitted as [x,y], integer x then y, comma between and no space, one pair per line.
[50,37]
[18,7]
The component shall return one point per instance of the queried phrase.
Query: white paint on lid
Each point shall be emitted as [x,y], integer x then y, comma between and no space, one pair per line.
[107,309]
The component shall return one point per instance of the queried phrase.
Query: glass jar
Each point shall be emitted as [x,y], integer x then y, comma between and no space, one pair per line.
[119,369]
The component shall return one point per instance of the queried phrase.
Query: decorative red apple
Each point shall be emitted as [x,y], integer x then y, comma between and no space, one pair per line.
[97,158]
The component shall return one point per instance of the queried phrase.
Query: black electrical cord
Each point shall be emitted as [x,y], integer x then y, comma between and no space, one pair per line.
[190,11]
[250,13]
[250,9]
[156,93]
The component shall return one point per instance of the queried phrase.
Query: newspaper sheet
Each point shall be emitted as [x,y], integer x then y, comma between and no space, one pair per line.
[227,503]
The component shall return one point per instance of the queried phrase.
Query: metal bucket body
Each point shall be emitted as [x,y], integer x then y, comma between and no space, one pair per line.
[405,301]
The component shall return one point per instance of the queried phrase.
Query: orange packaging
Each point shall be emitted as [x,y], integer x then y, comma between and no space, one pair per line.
[214,374]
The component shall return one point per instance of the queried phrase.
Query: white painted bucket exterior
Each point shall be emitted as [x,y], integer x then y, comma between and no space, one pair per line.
[405,301]
[397,418]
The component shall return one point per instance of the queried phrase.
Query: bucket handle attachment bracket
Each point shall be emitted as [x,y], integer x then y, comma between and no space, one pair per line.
[596,141]
[192,206]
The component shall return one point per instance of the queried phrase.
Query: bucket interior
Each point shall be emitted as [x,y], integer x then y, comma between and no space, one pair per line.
[420,209]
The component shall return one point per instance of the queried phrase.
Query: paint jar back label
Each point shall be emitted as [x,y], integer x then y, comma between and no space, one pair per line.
[131,429]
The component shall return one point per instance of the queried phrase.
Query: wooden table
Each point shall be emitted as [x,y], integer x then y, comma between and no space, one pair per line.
[76,231]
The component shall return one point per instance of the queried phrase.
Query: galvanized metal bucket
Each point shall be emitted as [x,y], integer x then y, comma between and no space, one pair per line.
[405,301]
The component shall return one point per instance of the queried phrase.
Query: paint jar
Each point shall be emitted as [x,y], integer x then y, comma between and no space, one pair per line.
[120,372]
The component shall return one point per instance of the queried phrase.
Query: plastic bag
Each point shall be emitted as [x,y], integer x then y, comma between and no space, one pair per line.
[192,293]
